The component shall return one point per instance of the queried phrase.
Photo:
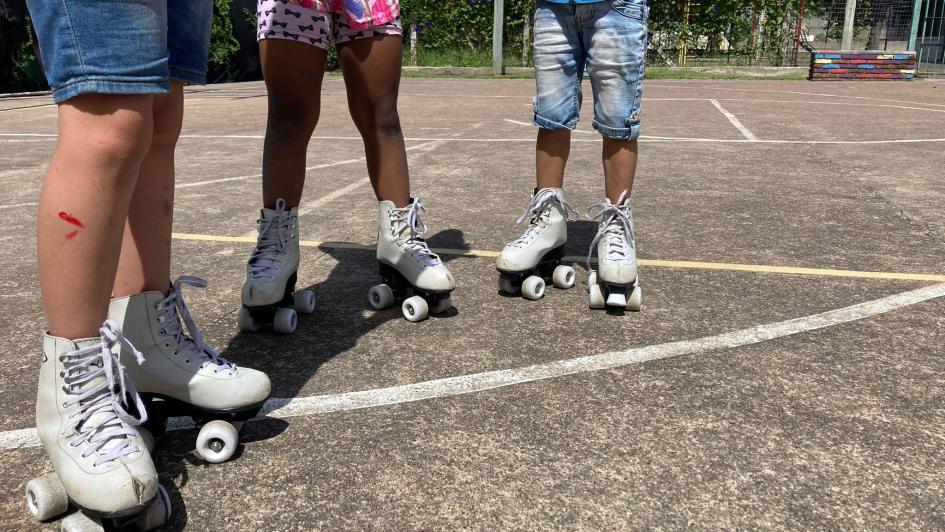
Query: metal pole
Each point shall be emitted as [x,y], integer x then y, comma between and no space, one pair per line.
[847,42]
[797,31]
[498,17]
[916,8]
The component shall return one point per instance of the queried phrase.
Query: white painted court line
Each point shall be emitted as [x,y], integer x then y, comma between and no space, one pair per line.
[307,168]
[284,408]
[15,205]
[735,121]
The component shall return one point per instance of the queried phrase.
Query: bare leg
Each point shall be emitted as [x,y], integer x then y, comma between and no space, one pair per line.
[551,156]
[145,262]
[372,78]
[88,187]
[294,73]
[620,166]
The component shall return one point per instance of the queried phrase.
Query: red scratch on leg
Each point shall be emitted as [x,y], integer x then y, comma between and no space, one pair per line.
[71,235]
[70,219]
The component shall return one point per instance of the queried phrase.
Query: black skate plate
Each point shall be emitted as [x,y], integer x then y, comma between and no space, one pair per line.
[403,289]
[544,269]
[167,407]
[265,314]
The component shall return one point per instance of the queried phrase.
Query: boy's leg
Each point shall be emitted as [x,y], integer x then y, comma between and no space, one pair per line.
[372,78]
[145,259]
[102,142]
[559,66]
[616,42]
[293,73]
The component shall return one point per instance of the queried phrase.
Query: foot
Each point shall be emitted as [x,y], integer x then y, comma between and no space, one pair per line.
[275,259]
[400,245]
[180,364]
[547,230]
[87,411]
[616,242]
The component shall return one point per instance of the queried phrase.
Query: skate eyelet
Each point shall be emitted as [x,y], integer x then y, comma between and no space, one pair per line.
[167,345]
[187,361]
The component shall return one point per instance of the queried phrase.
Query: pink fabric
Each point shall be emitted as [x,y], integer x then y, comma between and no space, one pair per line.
[359,14]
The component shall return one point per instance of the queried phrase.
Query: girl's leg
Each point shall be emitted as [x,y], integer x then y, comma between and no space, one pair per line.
[372,77]
[102,142]
[145,262]
[294,73]
[620,166]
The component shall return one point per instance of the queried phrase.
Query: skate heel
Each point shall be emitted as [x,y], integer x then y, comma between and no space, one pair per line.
[218,430]
[603,295]
[532,282]
[283,316]
[416,303]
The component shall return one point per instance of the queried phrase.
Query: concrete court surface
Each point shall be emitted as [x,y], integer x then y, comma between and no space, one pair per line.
[787,369]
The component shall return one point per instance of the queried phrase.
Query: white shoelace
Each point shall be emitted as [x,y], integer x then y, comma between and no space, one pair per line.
[538,212]
[273,238]
[99,393]
[616,223]
[173,311]
[411,231]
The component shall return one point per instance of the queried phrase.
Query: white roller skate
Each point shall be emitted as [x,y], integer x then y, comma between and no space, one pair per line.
[269,294]
[527,263]
[411,272]
[183,375]
[615,284]
[87,413]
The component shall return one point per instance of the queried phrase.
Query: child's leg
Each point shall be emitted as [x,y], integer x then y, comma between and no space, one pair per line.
[372,78]
[616,50]
[145,259]
[559,66]
[620,166]
[294,73]
[102,142]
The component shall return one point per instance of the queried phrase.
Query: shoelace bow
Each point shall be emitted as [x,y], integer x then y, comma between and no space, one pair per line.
[410,234]
[537,213]
[272,240]
[101,420]
[616,223]
[174,316]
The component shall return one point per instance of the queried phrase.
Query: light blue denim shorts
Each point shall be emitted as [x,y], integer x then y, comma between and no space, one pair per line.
[121,46]
[609,37]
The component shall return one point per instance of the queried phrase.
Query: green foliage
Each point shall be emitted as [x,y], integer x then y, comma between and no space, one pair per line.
[462,27]
[223,44]
[20,69]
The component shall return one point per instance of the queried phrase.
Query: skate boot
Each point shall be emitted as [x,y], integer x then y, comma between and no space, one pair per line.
[615,284]
[534,258]
[183,375]
[87,413]
[411,272]
[269,294]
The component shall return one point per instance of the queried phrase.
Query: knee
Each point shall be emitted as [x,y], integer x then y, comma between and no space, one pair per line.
[166,130]
[125,137]
[385,119]
[291,121]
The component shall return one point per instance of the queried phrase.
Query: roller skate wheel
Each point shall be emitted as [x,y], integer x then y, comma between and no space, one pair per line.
[285,321]
[595,294]
[157,514]
[563,277]
[533,288]
[506,286]
[415,308]
[380,296]
[245,321]
[304,301]
[79,522]
[635,303]
[617,299]
[217,441]
[46,498]
[442,306]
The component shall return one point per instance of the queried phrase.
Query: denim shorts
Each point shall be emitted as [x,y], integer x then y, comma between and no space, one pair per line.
[608,37]
[121,46]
